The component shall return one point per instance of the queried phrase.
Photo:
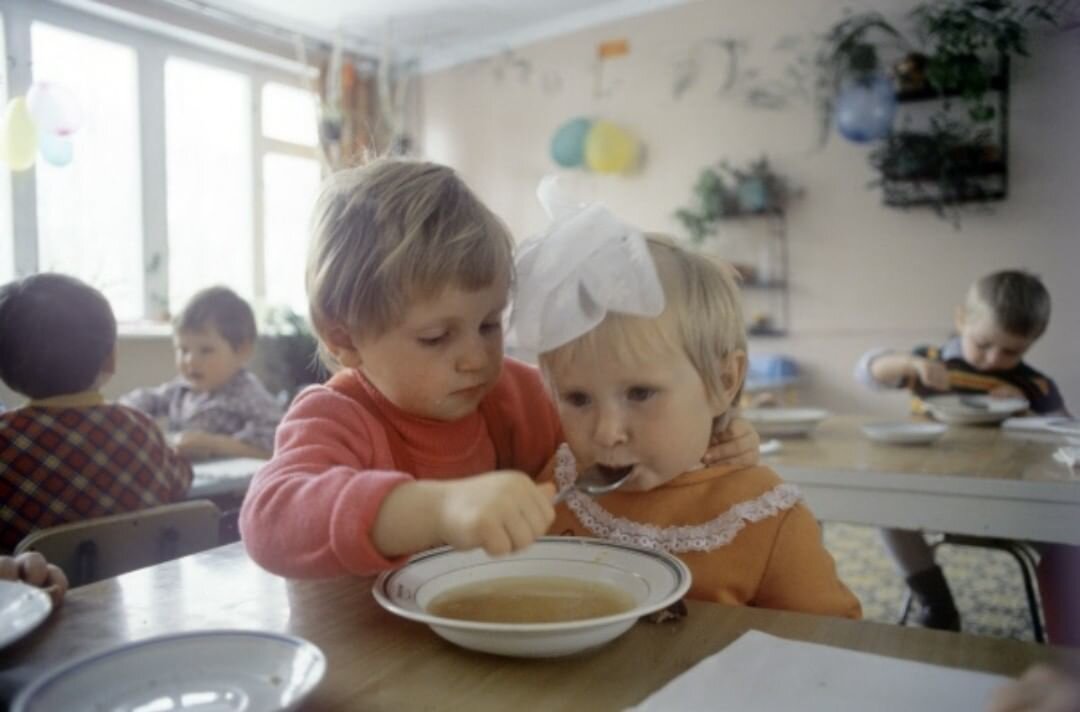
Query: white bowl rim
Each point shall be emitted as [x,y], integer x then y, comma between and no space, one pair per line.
[681,574]
[952,403]
[922,427]
[50,678]
[784,415]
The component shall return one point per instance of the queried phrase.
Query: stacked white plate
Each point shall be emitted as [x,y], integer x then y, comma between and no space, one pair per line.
[784,422]
[904,432]
[215,671]
[974,409]
[22,608]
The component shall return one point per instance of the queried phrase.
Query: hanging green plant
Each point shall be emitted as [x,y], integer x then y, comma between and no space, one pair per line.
[962,38]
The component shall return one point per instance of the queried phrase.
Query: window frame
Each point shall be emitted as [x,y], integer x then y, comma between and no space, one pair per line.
[152,49]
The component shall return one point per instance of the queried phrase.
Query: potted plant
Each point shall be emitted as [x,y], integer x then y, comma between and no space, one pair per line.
[849,55]
[726,190]
[288,353]
[946,165]
[962,38]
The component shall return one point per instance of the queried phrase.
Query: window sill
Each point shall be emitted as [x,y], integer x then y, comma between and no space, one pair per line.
[149,330]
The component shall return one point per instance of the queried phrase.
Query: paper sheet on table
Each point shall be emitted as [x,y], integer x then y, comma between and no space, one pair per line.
[768,674]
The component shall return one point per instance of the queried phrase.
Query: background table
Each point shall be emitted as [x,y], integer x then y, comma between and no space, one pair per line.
[380,662]
[975,480]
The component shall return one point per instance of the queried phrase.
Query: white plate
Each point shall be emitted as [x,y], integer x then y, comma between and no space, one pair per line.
[22,608]
[954,408]
[655,579]
[208,671]
[1065,426]
[784,422]
[904,432]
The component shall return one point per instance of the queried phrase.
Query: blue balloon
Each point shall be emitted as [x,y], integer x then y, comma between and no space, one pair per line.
[568,143]
[56,150]
[865,109]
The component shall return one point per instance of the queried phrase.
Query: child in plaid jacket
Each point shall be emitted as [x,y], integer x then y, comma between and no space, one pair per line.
[67,455]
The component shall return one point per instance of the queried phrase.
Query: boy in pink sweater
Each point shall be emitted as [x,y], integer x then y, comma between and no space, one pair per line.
[426,435]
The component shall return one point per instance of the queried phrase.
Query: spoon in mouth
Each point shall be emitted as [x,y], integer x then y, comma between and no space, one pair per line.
[596,480]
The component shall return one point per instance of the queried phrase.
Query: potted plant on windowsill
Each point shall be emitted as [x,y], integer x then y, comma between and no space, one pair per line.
[287,357]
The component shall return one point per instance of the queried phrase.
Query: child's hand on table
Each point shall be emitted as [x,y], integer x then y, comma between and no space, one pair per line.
[195,444]
[734,442]
[32,568]
[500,512]
[1041,689]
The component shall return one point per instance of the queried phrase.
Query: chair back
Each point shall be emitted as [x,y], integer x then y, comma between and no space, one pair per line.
[104,547]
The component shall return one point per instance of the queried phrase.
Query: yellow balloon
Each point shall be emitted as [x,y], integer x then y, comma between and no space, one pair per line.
[18,135]
[610,149]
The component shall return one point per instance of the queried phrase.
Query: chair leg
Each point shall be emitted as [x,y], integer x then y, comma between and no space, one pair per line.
[908,598]
[1027,569]
[1024,557]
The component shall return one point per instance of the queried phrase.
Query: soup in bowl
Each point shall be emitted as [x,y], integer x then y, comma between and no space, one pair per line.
[560,596]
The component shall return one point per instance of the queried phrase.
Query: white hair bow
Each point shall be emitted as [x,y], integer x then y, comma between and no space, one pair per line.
[569,278]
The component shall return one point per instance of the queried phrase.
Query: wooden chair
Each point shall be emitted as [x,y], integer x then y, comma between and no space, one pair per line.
[104,547]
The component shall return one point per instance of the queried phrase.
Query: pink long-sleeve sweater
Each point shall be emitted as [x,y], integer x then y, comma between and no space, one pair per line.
[309,511]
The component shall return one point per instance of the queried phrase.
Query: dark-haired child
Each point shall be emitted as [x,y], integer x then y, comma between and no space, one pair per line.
[216,407]
[67,455]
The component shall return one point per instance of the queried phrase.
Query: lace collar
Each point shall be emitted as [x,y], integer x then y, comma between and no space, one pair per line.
[713,534]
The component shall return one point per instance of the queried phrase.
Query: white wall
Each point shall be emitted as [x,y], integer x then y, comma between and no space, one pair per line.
[862,274]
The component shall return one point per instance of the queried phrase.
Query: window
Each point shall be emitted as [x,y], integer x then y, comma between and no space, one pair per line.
[291,177]
[200,159]
[291,185]
[7,223]
[209,185]
[288,114]
[90,211]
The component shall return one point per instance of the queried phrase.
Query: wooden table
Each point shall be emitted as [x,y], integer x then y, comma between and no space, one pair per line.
[380,662]
[975,480]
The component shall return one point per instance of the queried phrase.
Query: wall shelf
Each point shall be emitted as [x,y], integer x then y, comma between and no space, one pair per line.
[956,179]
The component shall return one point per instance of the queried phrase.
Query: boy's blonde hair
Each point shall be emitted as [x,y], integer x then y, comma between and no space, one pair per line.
[1017,302]
[393,231]
[702,317]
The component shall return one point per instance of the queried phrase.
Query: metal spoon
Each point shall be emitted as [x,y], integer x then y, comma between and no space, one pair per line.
[596,480]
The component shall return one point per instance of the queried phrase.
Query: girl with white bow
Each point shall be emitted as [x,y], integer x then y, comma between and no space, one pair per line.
[643,346]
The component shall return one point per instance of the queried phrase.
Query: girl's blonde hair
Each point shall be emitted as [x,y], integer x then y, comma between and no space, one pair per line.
[393,231]
[702,317]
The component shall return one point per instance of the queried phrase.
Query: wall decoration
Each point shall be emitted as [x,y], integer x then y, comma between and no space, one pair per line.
[39,123]
[597,145]
[606,52]
[18,136]
[610,149]
[865,109]
[568,143]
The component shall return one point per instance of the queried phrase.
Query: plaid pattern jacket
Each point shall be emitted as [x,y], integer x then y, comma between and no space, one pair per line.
[75,457]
